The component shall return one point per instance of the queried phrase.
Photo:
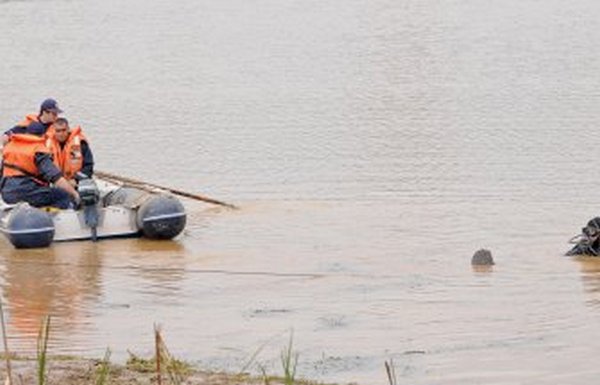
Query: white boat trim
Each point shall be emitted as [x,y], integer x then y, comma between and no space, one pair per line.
[164,216]
[28,231]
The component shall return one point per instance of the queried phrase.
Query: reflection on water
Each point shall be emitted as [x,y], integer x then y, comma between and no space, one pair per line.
[65,281]
[590,276]
[49,282]
[485,269]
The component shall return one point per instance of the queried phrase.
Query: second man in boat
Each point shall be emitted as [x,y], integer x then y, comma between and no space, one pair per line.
[70,150]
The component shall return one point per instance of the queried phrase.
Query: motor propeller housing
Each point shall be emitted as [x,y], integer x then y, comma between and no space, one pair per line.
[88,192]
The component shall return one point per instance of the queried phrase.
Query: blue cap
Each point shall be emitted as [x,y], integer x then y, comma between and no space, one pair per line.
[36,128]
[50,105]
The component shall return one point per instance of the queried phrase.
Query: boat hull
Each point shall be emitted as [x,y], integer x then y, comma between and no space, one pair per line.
[121,212]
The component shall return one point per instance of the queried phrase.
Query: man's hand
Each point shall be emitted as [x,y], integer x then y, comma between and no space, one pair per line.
[65,185]
[77,202]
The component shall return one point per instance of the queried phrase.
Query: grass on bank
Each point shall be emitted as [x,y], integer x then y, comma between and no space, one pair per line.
[103,371]
[289,362]
[42,350]
[163,362]
[391,372]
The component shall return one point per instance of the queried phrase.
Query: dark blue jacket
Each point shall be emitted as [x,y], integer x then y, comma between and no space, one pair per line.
[88,159]
[23,129]
[13,188]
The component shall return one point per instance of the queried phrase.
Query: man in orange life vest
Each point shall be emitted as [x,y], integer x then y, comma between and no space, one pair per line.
[28,171]
[48,114]
[70,150]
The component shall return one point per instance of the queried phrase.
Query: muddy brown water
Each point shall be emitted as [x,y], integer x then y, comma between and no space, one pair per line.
[374,146]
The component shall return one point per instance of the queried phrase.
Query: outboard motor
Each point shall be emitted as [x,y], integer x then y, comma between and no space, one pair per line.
[90,196]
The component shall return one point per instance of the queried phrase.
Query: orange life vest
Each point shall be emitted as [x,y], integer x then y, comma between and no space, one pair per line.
[28,120]
[34,118]
[68,158]
[19,156]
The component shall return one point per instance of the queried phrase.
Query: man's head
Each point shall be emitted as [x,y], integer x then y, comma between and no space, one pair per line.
[61,130]
[49,111]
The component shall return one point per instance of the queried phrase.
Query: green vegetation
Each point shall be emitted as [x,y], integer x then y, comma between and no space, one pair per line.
[289,361]
[163,362]
[391,372]
[103,370]
[42,350]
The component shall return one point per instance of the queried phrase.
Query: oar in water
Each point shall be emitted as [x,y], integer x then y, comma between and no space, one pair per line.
[141,184]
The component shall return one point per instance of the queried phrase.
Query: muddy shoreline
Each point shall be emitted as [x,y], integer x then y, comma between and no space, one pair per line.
[82,371]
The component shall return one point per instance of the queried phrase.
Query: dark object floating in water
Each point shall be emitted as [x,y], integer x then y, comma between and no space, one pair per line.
[482,257]
[588,242]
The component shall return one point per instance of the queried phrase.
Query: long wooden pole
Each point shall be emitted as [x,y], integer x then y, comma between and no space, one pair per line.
[141,184]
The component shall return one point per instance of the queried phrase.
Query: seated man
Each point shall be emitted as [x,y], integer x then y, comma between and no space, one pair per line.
[28,171]
[48,113]
[70,150]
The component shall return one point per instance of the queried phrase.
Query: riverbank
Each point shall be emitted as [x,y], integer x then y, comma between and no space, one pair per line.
[81,371]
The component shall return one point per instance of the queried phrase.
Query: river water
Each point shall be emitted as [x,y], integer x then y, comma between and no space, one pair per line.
[373,147]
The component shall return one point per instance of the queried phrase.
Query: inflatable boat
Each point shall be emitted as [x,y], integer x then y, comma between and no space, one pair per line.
[107,210]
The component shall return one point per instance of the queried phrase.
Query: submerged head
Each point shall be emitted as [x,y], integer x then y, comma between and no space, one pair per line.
[482,257]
